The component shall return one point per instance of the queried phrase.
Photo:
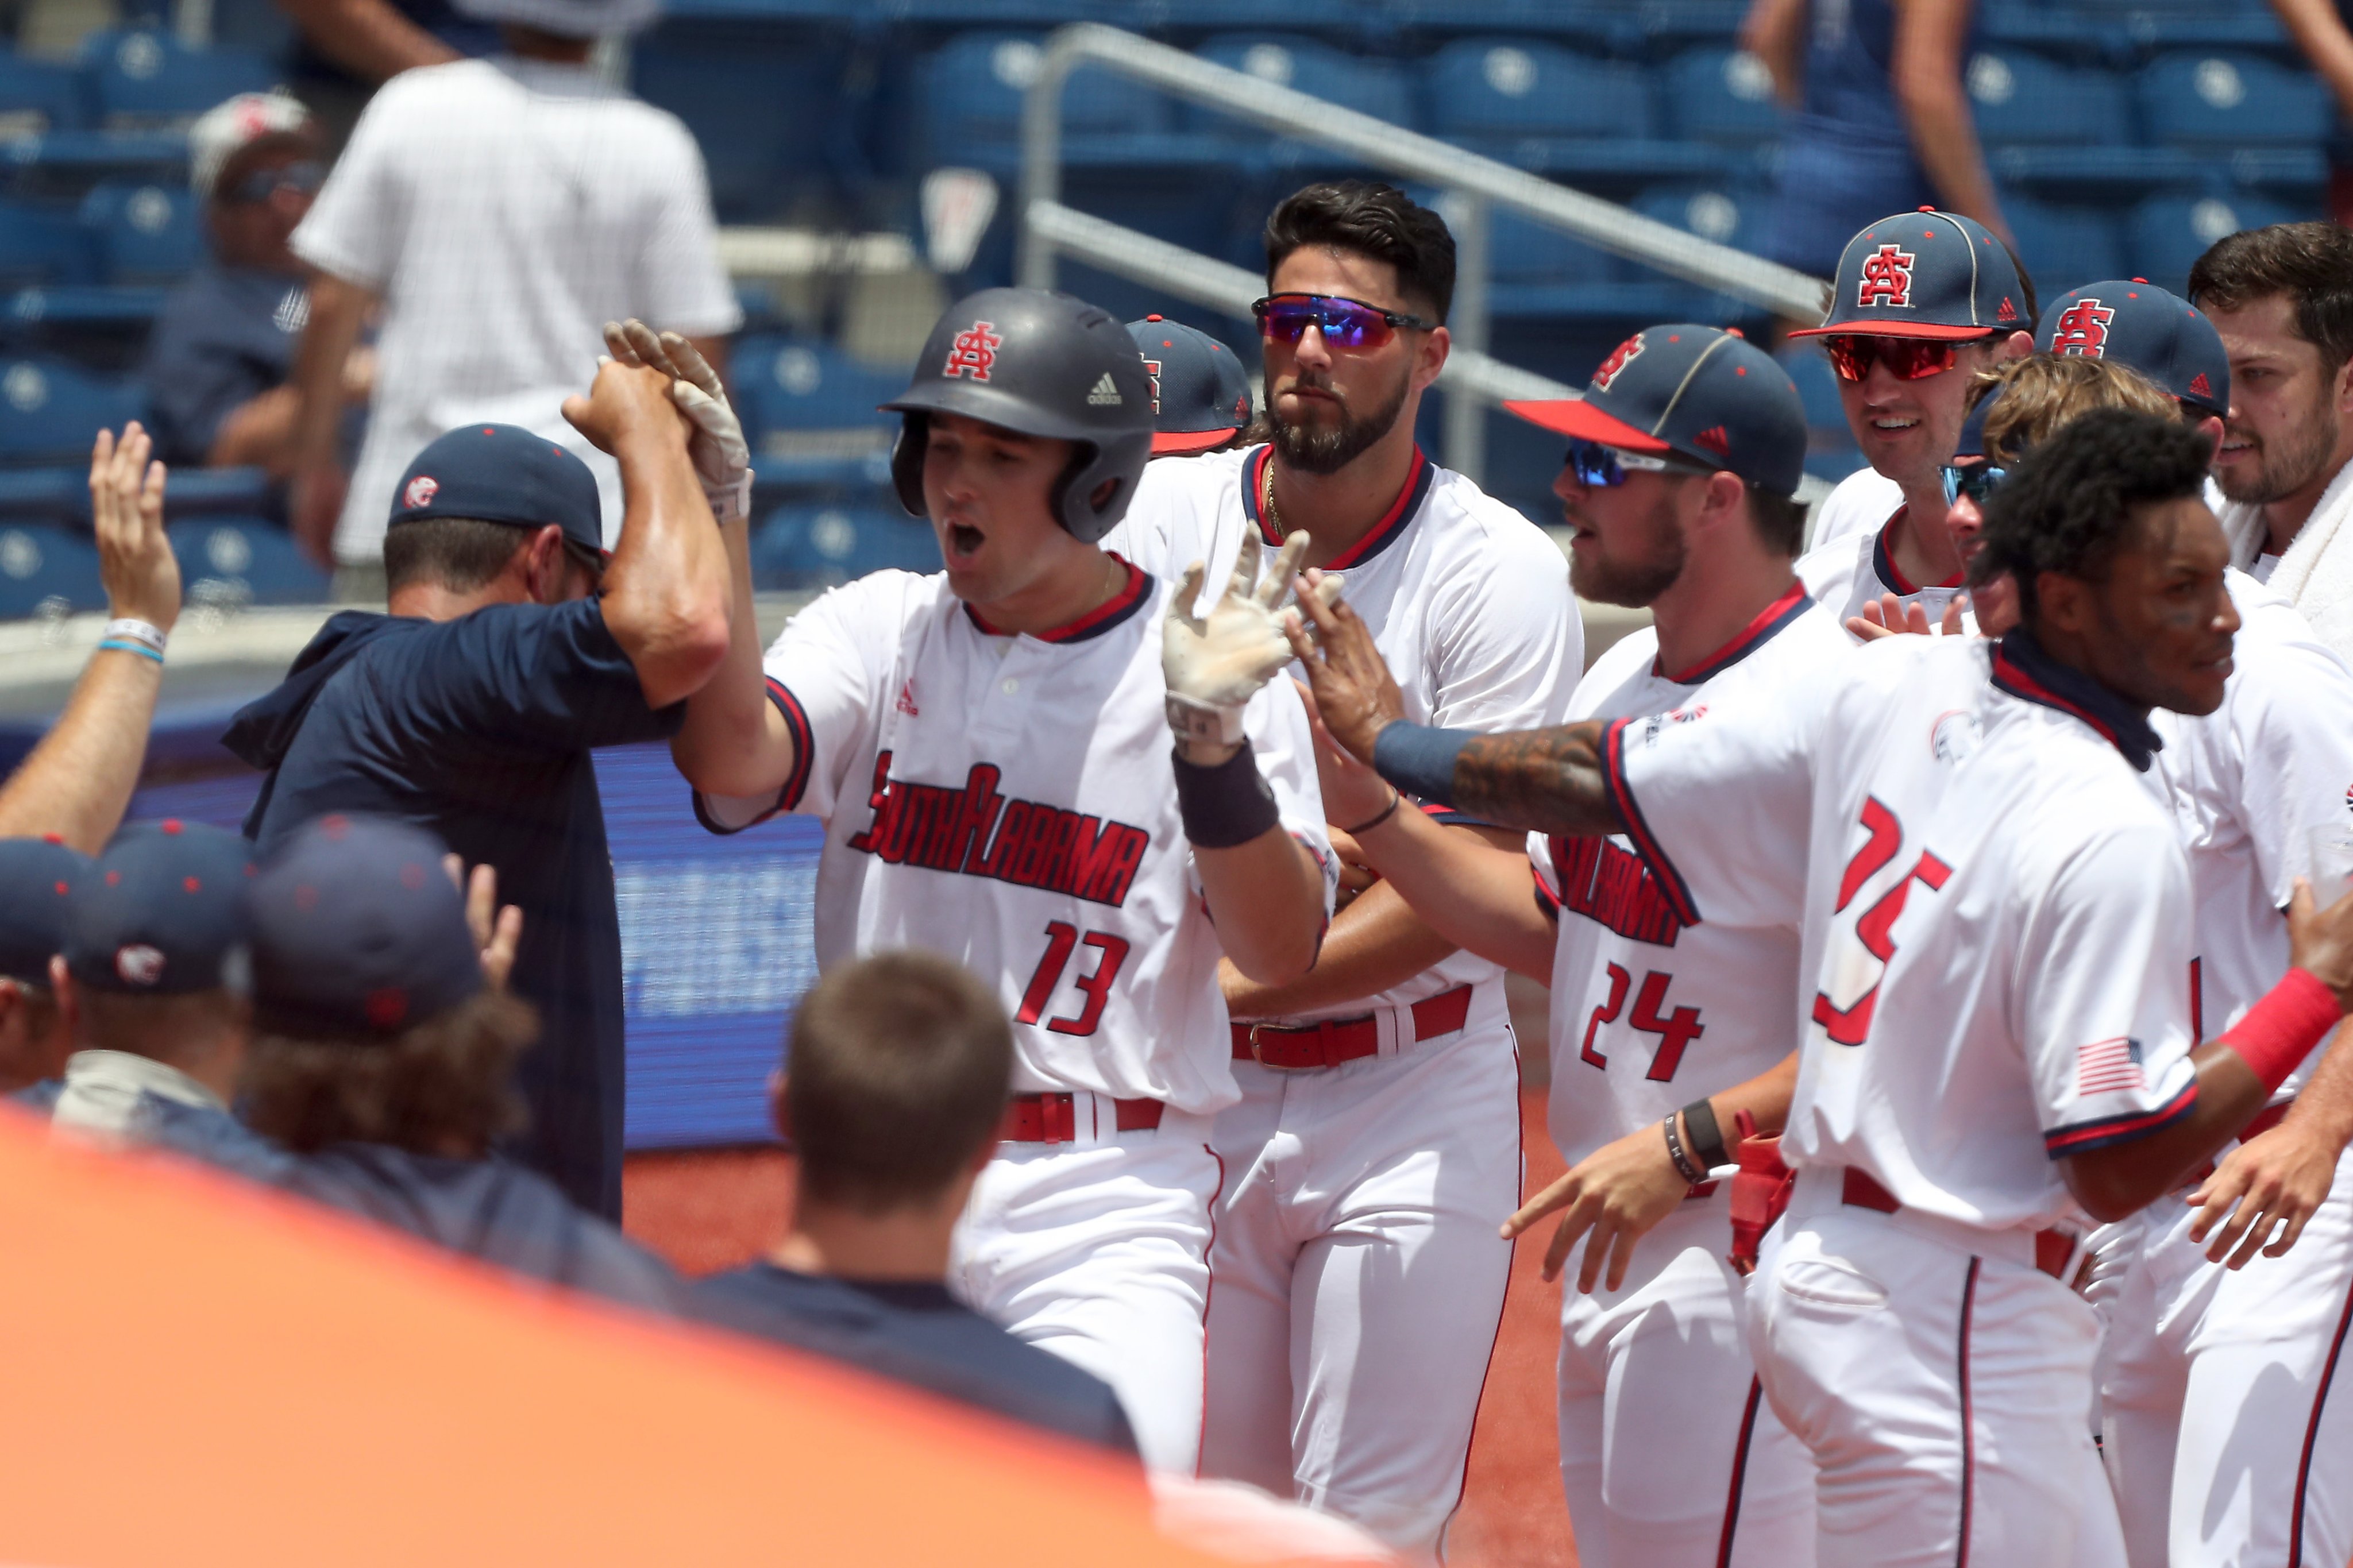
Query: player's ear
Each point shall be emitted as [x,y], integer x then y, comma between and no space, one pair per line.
[2018,345]
[61,986]
[1436,345]
[2064,603]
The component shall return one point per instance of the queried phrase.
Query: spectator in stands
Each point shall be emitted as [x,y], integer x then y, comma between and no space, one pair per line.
[1882,120]
[384,1055]
[219,362]
[502,210]
[2282,297]
[36,878]
[894,1085]
[77,784]
[2323,29]
[1200,392]
[512,649]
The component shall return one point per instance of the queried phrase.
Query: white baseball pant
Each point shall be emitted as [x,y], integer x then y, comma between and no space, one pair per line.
[1941,1381]
[1669,1456]
[1359,1276]
[2227,1402]
[1097,1250]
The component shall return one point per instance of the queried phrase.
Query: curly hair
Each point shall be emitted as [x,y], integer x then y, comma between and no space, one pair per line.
[2068,505]
[2041,392]
[1369,218]
[445,1087]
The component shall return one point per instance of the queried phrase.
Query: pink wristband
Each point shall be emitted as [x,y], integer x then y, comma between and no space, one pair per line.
[2280,1031]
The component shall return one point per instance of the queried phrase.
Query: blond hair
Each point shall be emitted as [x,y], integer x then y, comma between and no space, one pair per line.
[2037,397]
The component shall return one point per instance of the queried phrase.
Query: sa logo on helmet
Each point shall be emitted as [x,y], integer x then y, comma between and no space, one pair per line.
[974,353]
[421,490]
[2082,329]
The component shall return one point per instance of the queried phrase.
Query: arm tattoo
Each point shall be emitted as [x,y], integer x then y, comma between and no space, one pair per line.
[1544,780]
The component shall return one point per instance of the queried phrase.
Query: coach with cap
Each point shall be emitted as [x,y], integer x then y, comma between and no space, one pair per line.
[514,648]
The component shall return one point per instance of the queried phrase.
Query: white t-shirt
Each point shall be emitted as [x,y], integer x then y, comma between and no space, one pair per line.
[1848,573]
[1666,1011]
[1011,802]
[1468,602]
[2248,784]
[1861,503]
[506,210]
[1995,911]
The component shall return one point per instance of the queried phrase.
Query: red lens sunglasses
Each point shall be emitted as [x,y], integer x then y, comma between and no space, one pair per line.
[1853,354]
[1344,323]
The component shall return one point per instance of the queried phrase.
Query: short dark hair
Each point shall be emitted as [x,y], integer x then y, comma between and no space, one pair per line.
[1373,219]
[447,1084]
[1780,520]
[2311,263]
[2067,505]
[897,1076]
[461,553]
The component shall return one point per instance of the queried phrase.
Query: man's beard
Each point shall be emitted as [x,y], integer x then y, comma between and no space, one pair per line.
[1330,451]
[2282,472]
[1633,584]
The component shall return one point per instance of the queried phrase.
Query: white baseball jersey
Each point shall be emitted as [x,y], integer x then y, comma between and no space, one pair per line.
[1995,910]
[505,210]
[1665,1012]
[1011,802]
[1468,601]
[1847,574]
[1862,503]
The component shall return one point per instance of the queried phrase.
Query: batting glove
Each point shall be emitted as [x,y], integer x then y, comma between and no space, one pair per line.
[1215,663]
[721,458]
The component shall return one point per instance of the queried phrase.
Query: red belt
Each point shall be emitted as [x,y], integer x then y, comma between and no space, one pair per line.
[2052,1249]
[1053,1118]
[1331,1041]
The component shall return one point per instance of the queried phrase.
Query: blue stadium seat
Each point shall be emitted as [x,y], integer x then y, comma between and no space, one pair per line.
[1724,213]
[2166,234]
[815,546]
[2232,101]
[1720,95]
[39,562]
[2018,96]
[973,89]
[50,409]
[42,243]
[1521,250]
[1367,85]
[248,560]
[36,97]
[147,78]
[764,100]
[144,233]
[1490,90]
[809,411]
[2063,248]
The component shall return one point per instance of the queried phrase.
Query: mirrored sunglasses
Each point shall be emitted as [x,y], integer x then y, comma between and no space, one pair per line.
[1344,323]
[1975,480]
[1853,354]
[1597,466]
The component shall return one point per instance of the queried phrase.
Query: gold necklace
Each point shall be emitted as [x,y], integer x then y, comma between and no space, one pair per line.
[1273,518]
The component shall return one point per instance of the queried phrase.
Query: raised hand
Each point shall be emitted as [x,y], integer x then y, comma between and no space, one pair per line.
[1354,692]
[626,400]
[496,931]
[135,563]
[722,460]
[1215,663]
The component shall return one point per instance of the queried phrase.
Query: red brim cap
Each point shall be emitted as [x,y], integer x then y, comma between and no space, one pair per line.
[1931,331]
[1182,442]
[1579,417]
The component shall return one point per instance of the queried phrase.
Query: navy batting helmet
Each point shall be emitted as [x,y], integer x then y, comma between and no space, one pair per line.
[1042,364]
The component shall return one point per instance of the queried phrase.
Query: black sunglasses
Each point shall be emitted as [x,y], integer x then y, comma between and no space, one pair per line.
[1975,480]
[262,183]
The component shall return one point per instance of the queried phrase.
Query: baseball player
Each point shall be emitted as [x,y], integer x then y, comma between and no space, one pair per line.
[2161,336]
[1200,393]
[989,750]
[1922,302]
[1684,454]
[1991,907]
[1359,1278]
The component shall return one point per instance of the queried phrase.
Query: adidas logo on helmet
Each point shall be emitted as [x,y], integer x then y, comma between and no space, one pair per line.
[1105,393]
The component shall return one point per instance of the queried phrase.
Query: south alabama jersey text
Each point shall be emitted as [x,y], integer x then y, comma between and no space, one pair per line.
[971,829]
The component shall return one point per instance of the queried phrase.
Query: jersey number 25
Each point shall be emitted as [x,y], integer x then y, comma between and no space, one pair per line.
[1877,927]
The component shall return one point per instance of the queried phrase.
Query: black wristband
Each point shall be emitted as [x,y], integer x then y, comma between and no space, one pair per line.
[1706,1137]
[1684,1166]
[1224,805]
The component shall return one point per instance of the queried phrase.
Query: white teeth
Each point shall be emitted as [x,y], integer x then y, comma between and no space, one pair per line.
[1894,423]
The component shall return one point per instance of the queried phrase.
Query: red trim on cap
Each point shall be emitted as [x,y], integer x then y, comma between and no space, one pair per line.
[1869,326]
[1581,419]
[1185,442]
[1095,622]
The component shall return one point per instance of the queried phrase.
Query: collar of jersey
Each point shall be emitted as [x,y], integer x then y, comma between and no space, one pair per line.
[1119,608]
[1377,537]
[1883,561]
[1768,623]
[2021,669]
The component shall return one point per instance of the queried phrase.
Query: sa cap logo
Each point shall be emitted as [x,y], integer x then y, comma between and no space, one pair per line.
[1152,369]
[421,489]
[2082,329]
[974,353]
[1886,279]
[1619,358]
[138,964]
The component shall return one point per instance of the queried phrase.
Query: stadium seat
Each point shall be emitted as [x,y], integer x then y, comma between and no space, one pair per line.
[2018,96]
[36,97]
[2232,101]
[1726,214]
[43,562]
[1491,91]
[764,100]
[1720,95]
[150,79]
[2166,234]
[247,562]
[1367,85]
[973,89]
[144,233]
[814,547]
[51,409]
[42,243]
[808,410]
[1521,250]
[2064,247]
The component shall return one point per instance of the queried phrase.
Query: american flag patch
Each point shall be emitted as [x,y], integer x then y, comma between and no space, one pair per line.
[2107,1067]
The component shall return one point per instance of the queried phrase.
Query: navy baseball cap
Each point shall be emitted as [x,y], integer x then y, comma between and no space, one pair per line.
[1200,392]
[358,932]
[37,879]
[503,473]
[1924,274]
[162,913]
[1700,393]
[2147,329]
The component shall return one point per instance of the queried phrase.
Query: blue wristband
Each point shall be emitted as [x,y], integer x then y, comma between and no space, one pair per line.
[118,645]
[1420,759]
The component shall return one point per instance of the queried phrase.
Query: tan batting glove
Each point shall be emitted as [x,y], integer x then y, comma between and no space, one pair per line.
[721,458]
[1215,663]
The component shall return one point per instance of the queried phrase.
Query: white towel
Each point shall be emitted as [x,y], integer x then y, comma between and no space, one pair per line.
[2316,574]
